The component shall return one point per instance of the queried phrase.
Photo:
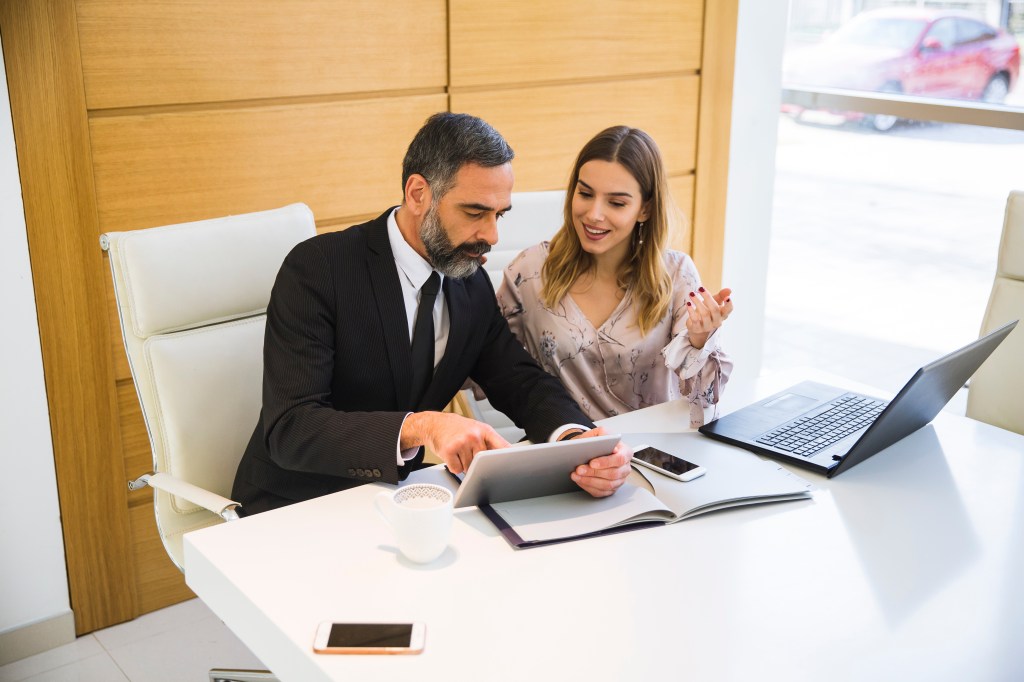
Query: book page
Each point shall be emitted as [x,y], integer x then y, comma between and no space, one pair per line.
[571,514]
[734,476]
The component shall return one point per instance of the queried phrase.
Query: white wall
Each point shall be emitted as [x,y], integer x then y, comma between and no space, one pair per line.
[756,99]
[33,578]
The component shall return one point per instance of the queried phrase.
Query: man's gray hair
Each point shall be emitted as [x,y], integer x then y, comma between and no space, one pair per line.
[448,141]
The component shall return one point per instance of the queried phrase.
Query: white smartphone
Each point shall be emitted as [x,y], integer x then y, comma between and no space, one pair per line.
[664,463]
[369,638]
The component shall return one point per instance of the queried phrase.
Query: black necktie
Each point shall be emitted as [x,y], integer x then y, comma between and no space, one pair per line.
[423,339]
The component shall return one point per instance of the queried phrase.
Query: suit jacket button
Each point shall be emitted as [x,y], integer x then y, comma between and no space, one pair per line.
[351,472]
[376,473]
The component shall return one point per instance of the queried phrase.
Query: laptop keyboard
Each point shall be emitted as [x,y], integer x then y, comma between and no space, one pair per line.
[805,436]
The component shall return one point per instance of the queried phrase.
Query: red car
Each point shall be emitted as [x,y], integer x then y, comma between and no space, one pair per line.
[930,53]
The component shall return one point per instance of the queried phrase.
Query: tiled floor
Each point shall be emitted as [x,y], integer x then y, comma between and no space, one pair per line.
[868,279]
[177,644]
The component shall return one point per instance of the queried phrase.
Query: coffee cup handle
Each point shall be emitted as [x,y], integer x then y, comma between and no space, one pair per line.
[383,504]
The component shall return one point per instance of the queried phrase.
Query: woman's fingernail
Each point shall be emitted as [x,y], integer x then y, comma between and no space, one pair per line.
[688,304]
[701,290]
[692,294]
[726,300]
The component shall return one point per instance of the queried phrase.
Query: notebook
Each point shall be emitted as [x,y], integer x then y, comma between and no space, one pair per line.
[828,429]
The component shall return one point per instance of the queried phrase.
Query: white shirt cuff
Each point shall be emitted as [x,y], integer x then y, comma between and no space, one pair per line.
[404,455]
[560,431]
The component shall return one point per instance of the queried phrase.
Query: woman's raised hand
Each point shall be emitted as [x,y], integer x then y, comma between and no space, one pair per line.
[706,313]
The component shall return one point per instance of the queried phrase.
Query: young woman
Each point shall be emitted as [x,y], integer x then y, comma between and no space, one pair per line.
[605,306]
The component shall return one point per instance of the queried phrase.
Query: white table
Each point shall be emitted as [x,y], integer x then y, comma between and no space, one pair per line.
[907,567]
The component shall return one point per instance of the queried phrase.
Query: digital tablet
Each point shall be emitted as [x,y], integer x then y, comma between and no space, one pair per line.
[523,471]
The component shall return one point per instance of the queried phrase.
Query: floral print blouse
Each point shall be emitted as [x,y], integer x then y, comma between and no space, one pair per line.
[614,369]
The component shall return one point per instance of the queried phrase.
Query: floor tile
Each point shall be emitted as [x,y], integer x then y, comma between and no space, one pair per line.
[98,668]
[155,623]
[184,653]
[81,649]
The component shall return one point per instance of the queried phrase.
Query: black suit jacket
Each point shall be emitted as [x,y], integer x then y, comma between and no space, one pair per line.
[337,370]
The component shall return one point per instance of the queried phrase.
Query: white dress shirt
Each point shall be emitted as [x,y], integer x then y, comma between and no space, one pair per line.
[413,272]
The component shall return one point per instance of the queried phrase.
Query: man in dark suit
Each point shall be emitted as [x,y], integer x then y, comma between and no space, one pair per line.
[361,352]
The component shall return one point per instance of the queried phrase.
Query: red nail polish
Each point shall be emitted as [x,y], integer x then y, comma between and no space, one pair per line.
[688,304]
[727,300]
[692,294]
[701,290]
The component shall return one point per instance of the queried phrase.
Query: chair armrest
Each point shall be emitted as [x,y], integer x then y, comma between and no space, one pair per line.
[218,504]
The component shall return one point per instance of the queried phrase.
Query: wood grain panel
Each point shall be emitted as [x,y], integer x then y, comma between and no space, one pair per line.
[44,74]
[168,52]
[548,125]
[509,41]
[341,158]
[118,354]
[712,178]
[158,582]
[138,455]
[681,188]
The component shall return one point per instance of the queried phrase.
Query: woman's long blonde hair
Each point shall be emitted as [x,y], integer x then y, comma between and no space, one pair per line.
[644,270]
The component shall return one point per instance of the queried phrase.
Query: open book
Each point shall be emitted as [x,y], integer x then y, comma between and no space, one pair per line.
[734,477]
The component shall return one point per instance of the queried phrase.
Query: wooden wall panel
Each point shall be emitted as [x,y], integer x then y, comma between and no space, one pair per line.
[508,41]
[44,74]
[712,179]
[138,457]
[164,52]
[158,582]
[681,188]
[340,158]
[547,125]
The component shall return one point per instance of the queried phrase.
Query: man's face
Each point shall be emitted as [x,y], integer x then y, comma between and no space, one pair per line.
[461,228]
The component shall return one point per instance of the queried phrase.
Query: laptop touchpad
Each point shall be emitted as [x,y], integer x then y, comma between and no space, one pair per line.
[791,402]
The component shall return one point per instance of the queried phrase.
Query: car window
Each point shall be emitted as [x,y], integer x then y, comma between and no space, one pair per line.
[968,31]
[943,30]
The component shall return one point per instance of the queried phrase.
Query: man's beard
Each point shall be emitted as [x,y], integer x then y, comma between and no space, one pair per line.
[450,260]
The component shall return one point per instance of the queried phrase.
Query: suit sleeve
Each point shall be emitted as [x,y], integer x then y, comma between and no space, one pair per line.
[302,429]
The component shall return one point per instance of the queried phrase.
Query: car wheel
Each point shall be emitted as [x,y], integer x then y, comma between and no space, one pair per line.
[884,122]
[996,90]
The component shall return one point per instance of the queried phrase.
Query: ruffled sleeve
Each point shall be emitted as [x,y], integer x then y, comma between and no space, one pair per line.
[703,372]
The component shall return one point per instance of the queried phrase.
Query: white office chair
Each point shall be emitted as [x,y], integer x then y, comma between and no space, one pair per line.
[192,302]
[535,217]
[994,393]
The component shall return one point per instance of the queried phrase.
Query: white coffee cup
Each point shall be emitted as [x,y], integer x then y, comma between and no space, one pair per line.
[421,516]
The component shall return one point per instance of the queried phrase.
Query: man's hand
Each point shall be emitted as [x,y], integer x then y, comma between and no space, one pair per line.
[602,476]
[454,438]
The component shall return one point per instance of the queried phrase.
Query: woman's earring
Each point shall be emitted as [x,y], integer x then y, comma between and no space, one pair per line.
[640,234]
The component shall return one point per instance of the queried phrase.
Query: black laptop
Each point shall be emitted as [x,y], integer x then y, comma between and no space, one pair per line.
[828,429]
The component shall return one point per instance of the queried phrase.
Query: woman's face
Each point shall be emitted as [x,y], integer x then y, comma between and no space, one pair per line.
[606,205]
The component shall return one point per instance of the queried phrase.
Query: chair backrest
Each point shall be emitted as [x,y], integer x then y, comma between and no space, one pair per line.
[535,217]
[192,302]
[995,389]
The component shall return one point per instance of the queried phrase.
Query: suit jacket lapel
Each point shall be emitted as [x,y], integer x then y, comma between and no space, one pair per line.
[387,290]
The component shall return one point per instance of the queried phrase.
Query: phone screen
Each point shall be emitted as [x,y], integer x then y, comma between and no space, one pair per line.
[663,460]
[347,635]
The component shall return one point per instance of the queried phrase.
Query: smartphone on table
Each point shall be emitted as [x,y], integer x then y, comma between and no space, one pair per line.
[369,638]
[669,465]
